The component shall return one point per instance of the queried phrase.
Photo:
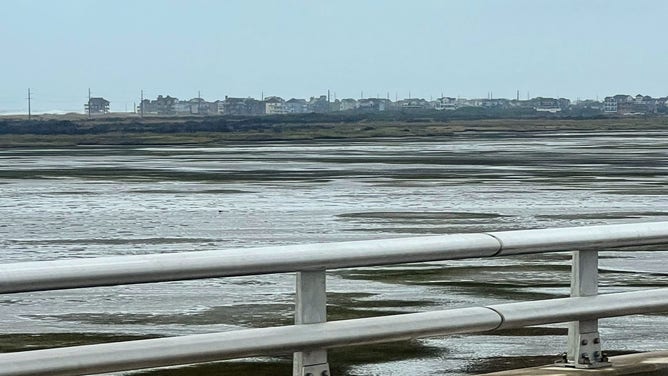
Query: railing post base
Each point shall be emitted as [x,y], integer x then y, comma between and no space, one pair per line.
[584,341]
[587,353]
[315,370]
[590,354]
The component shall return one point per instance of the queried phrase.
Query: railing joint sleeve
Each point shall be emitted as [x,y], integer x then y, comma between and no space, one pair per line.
[498,252]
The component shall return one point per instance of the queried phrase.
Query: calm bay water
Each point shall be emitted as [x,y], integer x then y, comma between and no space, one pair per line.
[86,202]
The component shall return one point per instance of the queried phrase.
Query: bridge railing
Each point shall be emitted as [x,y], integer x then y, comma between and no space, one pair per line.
[312,335]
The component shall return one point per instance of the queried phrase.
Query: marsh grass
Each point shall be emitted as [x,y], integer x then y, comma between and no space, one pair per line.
[183,131]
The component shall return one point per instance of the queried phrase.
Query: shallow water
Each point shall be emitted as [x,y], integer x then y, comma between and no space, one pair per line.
[85,202]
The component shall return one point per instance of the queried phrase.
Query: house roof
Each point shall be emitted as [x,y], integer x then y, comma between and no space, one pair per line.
[234,100]
[274,100]
[99,100]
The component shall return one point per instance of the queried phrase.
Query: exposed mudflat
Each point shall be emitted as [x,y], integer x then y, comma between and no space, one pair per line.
[60,203]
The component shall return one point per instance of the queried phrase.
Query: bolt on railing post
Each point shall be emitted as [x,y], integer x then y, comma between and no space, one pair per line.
[584,341]
[311,307]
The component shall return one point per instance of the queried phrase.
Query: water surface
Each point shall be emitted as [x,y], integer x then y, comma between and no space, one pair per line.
[87,202]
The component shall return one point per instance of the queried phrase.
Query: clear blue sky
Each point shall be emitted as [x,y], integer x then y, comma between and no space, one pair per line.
[301,48]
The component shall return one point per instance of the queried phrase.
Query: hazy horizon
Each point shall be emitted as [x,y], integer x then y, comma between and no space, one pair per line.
[569,49]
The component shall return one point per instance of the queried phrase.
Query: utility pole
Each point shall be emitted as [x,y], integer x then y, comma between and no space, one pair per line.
[88,103]
[199,102]
[141,105]
[29,112]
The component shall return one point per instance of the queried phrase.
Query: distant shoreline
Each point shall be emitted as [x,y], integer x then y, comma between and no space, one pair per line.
[65,130]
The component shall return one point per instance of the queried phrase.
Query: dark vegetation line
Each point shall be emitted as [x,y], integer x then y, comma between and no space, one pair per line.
[71,130]
[244,123]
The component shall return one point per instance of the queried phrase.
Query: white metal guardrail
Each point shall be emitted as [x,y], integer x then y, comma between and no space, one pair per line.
[312,335]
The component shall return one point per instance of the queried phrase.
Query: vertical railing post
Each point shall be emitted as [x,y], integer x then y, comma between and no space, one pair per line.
[311,307]
[584,341]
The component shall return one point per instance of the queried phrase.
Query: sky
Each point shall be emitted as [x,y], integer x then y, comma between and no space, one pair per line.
[302,48]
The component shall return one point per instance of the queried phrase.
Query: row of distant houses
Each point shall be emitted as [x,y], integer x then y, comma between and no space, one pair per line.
[629,105]
[278,106]
[167,105]
[171,106]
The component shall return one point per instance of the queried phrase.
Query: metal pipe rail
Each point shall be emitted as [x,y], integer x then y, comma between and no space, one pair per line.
[312,335]
[132,355]
[118,270]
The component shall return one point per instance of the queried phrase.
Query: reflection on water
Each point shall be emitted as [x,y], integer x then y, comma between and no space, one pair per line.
[85,202]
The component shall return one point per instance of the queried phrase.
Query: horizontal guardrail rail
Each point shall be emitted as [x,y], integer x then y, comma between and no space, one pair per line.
[118,270]
[312,335]
[131,355]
